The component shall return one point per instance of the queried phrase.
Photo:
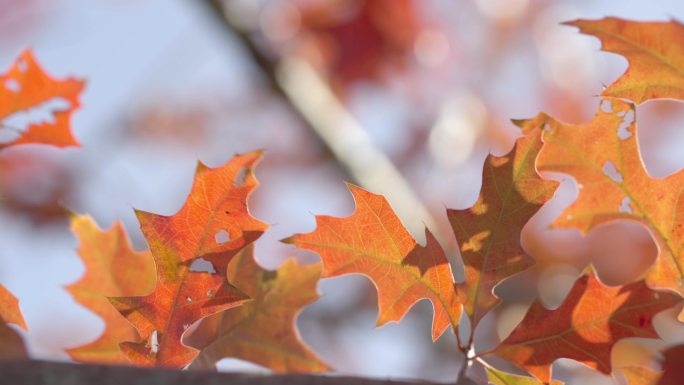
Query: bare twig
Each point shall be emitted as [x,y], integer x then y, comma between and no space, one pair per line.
[312,99]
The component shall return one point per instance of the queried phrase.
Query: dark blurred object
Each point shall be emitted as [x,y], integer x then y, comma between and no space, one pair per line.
[359,39]
[34,184]
[19,17]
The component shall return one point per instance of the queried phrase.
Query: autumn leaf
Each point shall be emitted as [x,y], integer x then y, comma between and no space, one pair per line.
[184,294]
[637,375]
[373,242]
[25,89]
[112,269]
[488,233]
[359,41]
[11,343]
[654,50]
[9,308]
[603,157]
[498,377]
[585,327]
[673,366]
[264,329]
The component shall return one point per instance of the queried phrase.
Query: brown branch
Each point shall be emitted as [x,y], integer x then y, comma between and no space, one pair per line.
[30,372]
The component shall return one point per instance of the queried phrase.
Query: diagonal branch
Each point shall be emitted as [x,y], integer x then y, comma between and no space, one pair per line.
[313,101]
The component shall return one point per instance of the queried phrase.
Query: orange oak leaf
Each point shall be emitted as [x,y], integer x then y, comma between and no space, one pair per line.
[655,51]
[637,375]
[488,233]
[11,343]
[112,269]
[263,330]
[603,157]
[26,90]
[498,377]
[185,293]
[585,327]
[9,308]
[373,242]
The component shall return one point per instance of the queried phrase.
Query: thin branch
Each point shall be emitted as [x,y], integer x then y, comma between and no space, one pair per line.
[310,97]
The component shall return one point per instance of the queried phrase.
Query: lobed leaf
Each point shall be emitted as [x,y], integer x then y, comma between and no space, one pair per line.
[585,327]
[488,233]
[603,157]
[373,242]
[184,294]
[654,50]
[112,269]
[26,87]
[264,329]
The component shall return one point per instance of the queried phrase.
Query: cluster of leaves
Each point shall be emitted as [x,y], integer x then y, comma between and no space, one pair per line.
[198,295]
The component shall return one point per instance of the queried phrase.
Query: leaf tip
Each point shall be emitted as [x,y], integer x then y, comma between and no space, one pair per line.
[289,240]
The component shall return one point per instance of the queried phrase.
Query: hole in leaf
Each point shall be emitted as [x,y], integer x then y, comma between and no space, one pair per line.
[188,299]
[625,205]
[611,171]
[12,85]
[153,342]
[240,177]
[210,293]
[623,131]
[201,265]
[222,237]
[13,125]
[606,106]
[555,283]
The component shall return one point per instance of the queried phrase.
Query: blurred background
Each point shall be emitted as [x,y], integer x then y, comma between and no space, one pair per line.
[405,98]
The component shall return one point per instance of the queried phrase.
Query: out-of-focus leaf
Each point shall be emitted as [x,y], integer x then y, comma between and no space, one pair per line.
[25,89]
[9,308]
[112,269]
[637,375]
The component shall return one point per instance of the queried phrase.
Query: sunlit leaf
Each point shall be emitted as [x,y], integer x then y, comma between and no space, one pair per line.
[27,90]
[112,269]
[264,329]
[184,293]
[373,242]
[585,327]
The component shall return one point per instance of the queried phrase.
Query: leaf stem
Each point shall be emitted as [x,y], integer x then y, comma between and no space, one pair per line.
[459,343]
[479,356]
[464,368]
